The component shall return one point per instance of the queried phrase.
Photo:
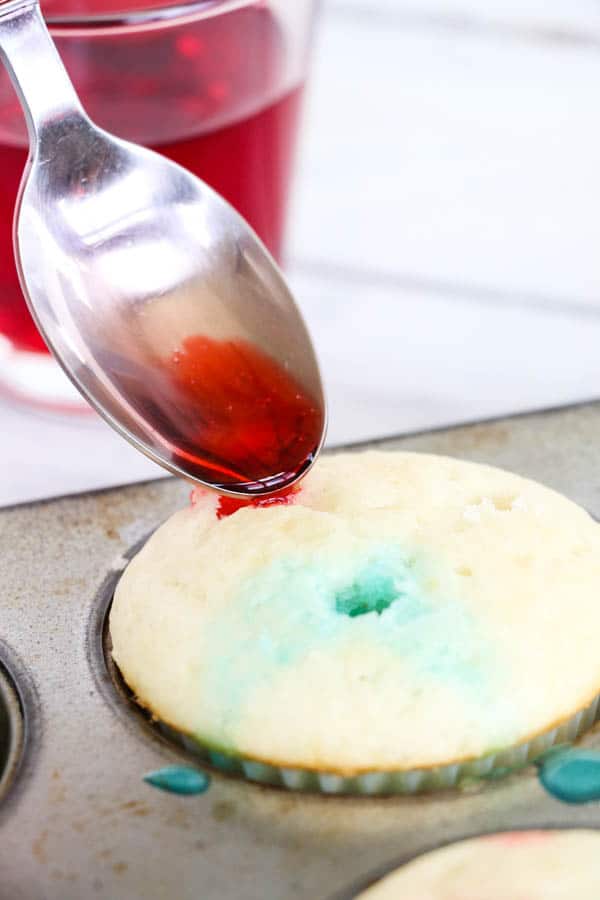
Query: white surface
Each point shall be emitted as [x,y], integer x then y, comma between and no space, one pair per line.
[550,17]
[454,158]
[444,235]
[399,360]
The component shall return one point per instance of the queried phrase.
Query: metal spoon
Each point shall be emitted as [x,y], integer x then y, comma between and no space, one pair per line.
[155,296]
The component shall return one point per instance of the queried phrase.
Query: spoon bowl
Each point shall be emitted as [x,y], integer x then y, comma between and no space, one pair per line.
[156,297]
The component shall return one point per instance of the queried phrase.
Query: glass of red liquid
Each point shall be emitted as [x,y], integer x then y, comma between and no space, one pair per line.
[214,85]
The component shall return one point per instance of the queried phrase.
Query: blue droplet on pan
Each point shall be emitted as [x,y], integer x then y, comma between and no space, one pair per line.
[571,775]
[181,780]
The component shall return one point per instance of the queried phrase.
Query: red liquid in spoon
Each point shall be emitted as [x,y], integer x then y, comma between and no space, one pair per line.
[233,414]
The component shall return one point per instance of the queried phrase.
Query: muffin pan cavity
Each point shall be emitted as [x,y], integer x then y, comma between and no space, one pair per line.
[474,775]
[106,674]
[563,858]
[11,732]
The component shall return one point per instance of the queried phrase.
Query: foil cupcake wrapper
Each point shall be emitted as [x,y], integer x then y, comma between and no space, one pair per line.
[409,781]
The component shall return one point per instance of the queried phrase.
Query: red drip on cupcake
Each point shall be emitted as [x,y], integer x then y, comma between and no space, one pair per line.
[227,506]
[520,837]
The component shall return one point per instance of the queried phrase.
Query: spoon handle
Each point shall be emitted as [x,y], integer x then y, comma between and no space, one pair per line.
[35,68]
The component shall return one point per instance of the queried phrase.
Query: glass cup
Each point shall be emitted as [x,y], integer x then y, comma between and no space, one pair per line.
[214,85]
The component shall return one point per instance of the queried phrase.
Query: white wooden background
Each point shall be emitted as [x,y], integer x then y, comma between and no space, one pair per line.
[445,239]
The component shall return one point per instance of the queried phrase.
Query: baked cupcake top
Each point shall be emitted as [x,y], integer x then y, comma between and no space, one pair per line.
[396,611]
[520,865]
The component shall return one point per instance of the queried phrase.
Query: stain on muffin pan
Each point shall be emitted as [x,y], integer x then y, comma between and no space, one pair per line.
[79,820]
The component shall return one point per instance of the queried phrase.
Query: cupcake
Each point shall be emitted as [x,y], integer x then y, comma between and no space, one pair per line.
[536,865]
[398,622]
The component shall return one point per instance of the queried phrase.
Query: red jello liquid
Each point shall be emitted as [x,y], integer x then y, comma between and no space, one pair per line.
[233,415]
[231,61]
[227,506]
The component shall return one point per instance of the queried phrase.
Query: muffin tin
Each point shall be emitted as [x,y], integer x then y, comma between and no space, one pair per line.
[76,818]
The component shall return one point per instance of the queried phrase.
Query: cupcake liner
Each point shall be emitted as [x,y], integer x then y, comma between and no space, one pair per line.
[408,781]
